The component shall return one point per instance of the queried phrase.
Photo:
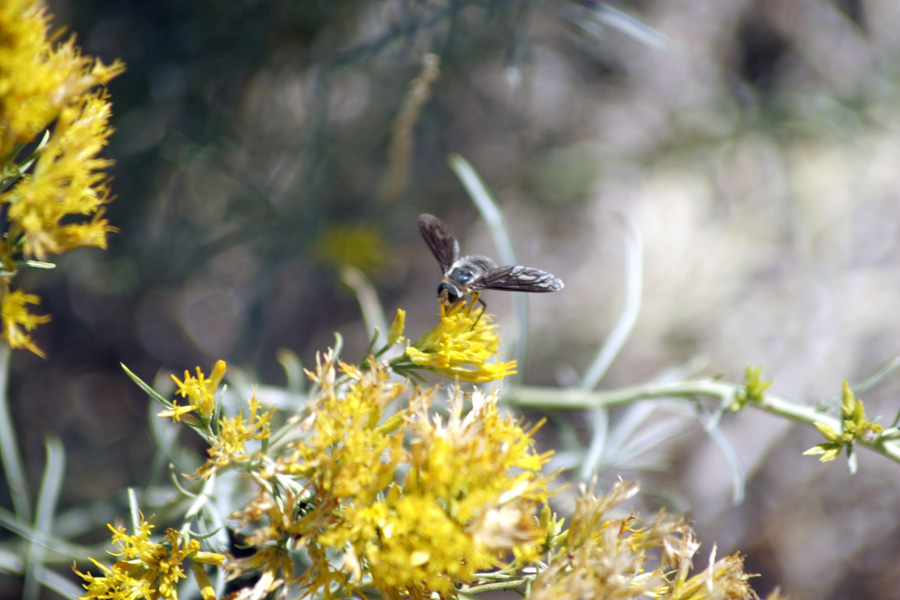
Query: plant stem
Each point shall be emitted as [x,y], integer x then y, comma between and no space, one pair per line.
[723,391]
[9,445]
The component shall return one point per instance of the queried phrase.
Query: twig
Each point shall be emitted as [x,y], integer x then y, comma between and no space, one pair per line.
[725,392]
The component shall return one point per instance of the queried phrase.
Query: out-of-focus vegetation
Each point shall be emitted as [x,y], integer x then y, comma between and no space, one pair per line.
[260,146]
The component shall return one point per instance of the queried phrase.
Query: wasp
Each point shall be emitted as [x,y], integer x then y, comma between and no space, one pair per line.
[470,274]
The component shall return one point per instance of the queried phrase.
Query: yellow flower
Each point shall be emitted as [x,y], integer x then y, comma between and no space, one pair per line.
[53,125]
[351,451]
[233,434]
[37,80]
[469,501]
[418,546]
[395,333]
[147,569]
[606,557]
[855,427]
[476,460]
[415,503]
[67,180]
[724,578]
[17,321]
[42,84]
[276,564]
[460,346]
[199,391]
[360,245]
[754,389]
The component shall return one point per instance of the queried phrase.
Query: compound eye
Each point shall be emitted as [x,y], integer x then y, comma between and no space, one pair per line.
[448,292]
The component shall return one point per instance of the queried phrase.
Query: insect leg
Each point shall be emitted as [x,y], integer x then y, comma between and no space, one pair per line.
[475,298]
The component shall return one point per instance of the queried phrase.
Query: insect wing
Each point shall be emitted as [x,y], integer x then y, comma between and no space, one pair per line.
[519,279]
[442,243]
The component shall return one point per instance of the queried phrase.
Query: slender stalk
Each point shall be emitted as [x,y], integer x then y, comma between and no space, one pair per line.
[46,517]
[633,286]
[725,392]
[9,445]
[490,211]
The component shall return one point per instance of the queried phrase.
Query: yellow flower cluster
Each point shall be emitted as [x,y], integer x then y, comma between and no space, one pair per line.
[460,347]
[361,245]
[146,569]
[18,323]
[415,503]
[855,427]
[378,488]
[235,432]
[228,435]
[200,392]
[602,556]
[754,389]
[374,491]
[49,174]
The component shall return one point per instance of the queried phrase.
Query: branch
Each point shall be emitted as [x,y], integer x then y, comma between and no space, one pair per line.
[547,398]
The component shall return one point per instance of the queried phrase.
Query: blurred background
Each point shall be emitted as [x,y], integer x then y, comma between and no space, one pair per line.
[261,146]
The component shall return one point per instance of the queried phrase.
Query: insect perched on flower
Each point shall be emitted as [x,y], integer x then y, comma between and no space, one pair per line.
[469,274]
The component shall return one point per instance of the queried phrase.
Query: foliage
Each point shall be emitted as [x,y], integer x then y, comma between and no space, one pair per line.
[370,482]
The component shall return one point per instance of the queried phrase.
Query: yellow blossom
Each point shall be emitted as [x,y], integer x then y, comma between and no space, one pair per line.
[470,497]
[199,391]
[18,323]
[67,180]
[361,245]
[147,569]
[53,124]
[38,80]
[395,333]
[753,391]
[379,493]
[476,460]
[608,557]
[415,502]
[44,82]
[419,547]
[234,433]
[349,453]
[460,346]
[724,578]
[854,424]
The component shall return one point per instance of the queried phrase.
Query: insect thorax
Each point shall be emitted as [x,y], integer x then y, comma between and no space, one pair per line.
[469,268]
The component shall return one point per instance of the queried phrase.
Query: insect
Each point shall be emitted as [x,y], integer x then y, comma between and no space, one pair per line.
[469,274]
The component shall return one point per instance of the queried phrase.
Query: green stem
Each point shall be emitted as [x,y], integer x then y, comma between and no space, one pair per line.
[725,392]
[511,584]
[9,445]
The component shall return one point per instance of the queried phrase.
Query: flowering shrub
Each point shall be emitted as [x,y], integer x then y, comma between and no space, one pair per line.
[371,489]
[371,483]
[54,120]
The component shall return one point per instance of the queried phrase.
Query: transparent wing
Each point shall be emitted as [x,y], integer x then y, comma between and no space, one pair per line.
[442,243]
[519,279]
